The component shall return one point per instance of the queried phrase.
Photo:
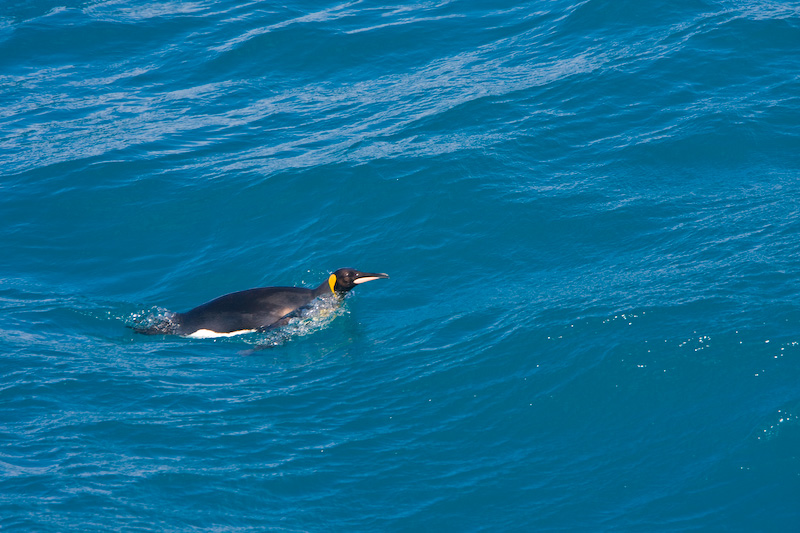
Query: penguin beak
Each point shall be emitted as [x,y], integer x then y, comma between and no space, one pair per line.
[364,277]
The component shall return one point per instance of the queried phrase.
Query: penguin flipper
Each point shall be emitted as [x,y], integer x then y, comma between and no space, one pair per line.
[284,320]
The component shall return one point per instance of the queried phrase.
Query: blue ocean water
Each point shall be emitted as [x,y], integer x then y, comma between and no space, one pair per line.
[589,212]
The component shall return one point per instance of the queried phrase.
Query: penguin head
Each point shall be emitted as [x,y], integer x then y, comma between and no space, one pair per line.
[345,279]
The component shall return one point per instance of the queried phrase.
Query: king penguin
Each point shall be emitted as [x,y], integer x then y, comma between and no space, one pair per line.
[257,309]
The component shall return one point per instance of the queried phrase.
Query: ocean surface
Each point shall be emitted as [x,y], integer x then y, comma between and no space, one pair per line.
[589,210]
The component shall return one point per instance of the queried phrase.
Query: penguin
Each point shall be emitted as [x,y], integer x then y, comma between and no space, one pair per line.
[258,309]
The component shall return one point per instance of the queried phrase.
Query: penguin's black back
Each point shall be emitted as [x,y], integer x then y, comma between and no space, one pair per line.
[244,310]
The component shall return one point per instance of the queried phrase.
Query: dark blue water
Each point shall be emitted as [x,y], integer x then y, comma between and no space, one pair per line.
[589,211]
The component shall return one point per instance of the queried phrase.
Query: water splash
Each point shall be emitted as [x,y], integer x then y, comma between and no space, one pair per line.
[152,319]
[305,321]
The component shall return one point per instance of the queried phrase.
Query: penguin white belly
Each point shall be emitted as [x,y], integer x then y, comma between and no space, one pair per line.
[208,334]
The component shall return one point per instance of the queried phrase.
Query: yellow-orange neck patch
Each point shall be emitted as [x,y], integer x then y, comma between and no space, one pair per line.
[332,282]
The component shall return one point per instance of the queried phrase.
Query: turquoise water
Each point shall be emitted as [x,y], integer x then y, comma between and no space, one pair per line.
[589,212]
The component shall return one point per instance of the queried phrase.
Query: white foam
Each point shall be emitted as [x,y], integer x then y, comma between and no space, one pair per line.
[208,334]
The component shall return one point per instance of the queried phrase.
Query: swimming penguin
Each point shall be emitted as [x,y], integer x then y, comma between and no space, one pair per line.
[255,309]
